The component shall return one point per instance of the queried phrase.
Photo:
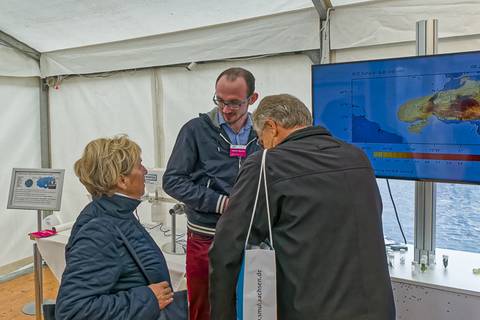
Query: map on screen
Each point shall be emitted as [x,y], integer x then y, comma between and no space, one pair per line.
[415,118]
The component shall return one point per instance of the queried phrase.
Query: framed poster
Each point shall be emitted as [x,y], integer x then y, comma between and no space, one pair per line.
[36,189]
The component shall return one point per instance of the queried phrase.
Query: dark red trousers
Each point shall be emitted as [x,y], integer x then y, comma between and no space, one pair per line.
[197,275]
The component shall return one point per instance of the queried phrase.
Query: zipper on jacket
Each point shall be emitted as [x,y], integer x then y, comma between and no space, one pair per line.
[226,140]
[208,182]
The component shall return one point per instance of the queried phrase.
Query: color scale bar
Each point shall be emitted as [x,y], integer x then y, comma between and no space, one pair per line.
[426,156]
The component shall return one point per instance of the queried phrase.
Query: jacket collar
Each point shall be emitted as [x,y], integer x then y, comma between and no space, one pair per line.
[306,132]
[117,205]
[211,117]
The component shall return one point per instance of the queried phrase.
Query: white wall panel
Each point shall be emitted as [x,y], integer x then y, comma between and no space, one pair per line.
[20,147]
[188,93]
[381,22]
[405,49]
[83,109]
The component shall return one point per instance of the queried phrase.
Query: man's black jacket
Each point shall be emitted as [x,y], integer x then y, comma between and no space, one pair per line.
[327,232]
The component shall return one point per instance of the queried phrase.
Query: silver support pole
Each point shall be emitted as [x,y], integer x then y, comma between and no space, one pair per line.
[322,7]
[38,272]
[173,247]
[425,220]
[426,192]
[427,37]
[46,163]
[174,233]
[37,268]
[45,125]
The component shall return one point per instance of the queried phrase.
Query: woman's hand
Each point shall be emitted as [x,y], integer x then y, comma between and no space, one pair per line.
[163,293]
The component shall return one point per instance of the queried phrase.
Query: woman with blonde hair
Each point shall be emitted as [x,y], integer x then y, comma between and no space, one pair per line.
[114,269]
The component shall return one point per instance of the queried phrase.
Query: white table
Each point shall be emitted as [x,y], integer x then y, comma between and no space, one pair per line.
[457,277]
[438,293]
[52,250]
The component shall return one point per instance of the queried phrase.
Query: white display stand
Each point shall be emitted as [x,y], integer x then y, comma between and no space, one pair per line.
[36,189]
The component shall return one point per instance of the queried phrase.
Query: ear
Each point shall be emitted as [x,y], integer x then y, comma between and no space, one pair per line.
[272,125]
[253,98]
[122,183]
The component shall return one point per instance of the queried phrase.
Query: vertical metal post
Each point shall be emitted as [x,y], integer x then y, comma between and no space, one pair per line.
[37,269]
[45,125]
[425,192]
[173,247]
[174,233]
[46,163]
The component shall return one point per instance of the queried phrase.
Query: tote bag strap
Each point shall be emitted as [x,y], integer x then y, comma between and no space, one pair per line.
[134,255]
[263,174]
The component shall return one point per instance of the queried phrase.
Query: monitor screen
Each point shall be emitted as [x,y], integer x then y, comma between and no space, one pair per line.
[416,118]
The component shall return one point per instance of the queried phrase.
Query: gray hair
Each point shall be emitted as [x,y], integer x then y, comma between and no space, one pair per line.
[286,110]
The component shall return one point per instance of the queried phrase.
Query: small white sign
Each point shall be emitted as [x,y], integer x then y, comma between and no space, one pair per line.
[36,189]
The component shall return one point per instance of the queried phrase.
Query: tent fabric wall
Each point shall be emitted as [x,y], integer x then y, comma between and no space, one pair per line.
[387,22]
[279,33]
[188,93]
[404,49]
[20,148]
[17,64]
[85,108]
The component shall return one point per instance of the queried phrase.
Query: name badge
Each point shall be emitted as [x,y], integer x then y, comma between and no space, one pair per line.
[237,150]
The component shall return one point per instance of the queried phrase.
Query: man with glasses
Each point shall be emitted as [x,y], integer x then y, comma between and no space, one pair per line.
[201,171]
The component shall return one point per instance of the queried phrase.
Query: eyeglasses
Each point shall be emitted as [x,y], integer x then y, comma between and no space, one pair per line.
[234,104]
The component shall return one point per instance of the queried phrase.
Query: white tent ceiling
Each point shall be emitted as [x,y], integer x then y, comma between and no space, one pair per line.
[62,24]
[78,37]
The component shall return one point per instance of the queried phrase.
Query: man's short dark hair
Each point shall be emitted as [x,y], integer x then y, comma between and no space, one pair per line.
[234,73]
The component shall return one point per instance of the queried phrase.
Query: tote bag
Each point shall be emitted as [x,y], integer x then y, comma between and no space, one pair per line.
[257,284]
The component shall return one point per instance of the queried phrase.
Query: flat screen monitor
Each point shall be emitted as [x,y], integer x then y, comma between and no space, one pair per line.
[416,118]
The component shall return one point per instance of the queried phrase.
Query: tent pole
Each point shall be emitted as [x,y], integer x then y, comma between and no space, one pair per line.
[45,125]
[425,191]
[322,7]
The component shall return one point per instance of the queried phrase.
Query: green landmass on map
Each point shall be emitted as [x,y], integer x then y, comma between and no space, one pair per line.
[460,104]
